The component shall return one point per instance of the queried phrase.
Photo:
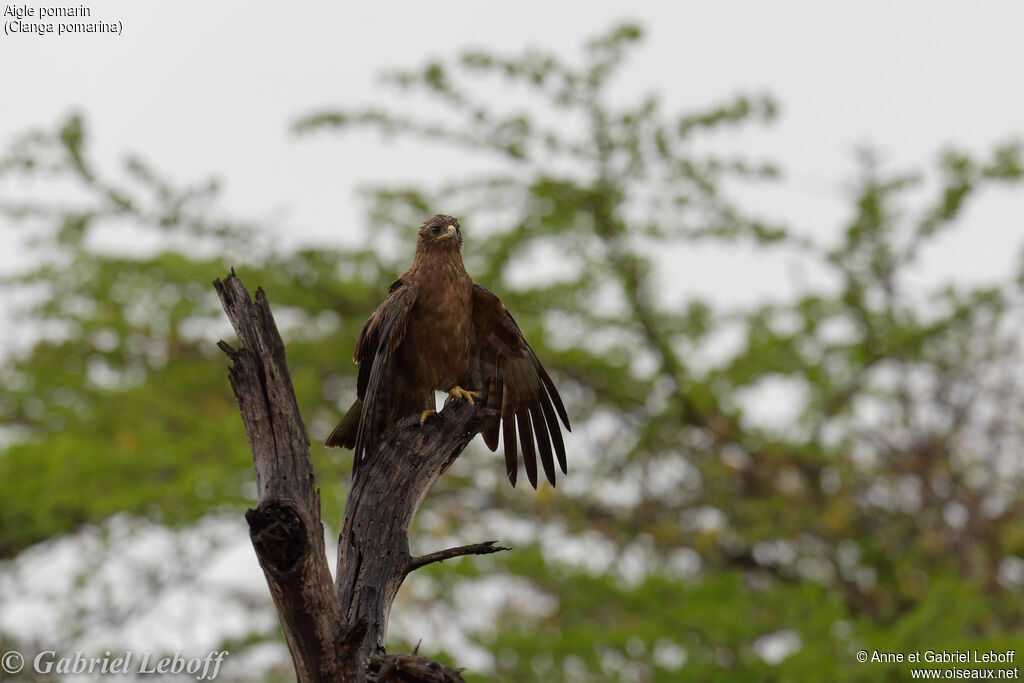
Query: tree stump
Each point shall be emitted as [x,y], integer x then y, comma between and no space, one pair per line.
[335,630]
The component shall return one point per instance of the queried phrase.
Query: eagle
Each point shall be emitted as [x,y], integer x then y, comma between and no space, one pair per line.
[439,330]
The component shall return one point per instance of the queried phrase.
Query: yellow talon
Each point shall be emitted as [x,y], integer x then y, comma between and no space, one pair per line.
[459,392]
[425,414]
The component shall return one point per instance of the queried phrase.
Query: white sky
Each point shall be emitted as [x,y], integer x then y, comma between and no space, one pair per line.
[200,89]
[210,88]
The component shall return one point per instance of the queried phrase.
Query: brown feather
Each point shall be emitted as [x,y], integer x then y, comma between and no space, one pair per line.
[509,439]
[555,433]
[526,441]
[492,423]
[543,441]
[528,395]
[437,329]
[344,435]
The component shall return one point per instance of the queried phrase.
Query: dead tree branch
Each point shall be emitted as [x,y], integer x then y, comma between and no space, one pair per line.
[484,548]
[335,632]
[381,506]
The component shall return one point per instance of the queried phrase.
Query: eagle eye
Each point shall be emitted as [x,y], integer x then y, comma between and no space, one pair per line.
[436,229]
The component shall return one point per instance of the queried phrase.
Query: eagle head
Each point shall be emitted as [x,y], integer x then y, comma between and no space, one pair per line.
[442,232]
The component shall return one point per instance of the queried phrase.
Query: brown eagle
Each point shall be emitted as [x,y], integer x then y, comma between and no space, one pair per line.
[439,330]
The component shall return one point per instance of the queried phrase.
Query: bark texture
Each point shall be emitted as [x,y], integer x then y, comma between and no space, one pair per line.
[381,504]
[335,631]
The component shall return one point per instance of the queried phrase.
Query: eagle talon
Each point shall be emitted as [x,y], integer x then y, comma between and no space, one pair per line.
[459,392]
[426,414]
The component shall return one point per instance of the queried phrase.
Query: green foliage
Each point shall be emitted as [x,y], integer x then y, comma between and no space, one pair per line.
[879,518]
[602,188]
[122,406]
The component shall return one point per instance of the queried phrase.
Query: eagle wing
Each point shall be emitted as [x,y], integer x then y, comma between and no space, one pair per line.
[382,333]
[515,385]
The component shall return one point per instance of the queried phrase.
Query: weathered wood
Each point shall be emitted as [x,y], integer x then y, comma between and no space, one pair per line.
[484,548]
[410,668]
[373,547]
[335,631]
[285,528]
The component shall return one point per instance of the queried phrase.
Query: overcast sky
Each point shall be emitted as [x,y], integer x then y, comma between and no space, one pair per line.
[203,88]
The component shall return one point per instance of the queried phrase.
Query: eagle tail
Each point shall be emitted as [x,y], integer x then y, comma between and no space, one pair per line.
[344,435]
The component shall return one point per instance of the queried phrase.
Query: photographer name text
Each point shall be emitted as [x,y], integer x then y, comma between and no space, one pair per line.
[203,668]
[940,657]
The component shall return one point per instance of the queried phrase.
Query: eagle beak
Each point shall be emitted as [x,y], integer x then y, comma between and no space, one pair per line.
[450,233]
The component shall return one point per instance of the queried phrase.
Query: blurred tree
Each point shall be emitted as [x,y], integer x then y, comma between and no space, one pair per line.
[689,539]
[120,382]
[896,489]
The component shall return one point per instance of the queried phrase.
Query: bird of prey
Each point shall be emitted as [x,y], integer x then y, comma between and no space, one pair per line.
[439,330]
